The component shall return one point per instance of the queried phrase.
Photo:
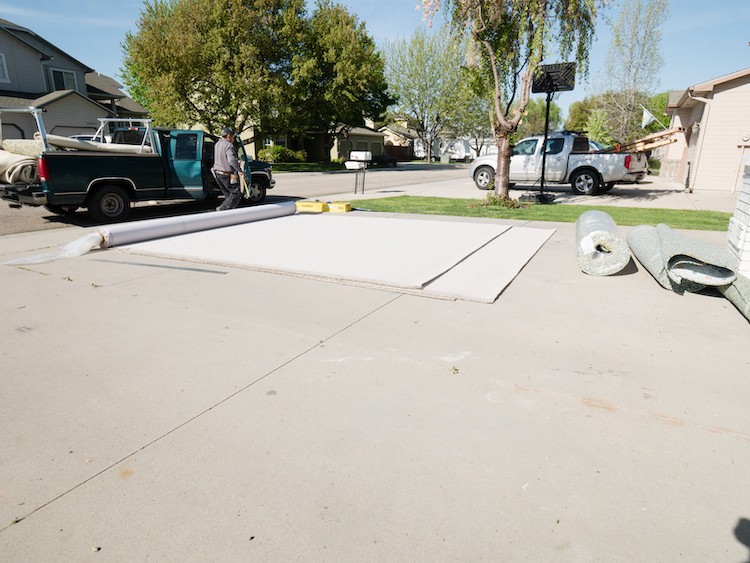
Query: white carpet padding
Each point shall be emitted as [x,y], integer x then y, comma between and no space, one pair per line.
[483,275]
[393,253]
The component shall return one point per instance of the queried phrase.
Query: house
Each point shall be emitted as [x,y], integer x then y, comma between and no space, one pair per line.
[714,148]
[108,92]
[358,139]
[33,72]
[399,141]
[362,138]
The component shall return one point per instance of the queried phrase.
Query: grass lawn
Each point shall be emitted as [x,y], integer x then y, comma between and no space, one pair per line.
[561,213]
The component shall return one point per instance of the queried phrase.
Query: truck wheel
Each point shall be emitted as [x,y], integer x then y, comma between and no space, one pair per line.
[483,177]
[257,192]
[109,204]
[606,187]
[61,209]
[584,182]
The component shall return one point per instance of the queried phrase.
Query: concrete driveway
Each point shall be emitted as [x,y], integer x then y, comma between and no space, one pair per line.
[172,411]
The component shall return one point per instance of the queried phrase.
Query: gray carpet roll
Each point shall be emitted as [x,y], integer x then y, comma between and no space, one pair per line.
[601,251]
[738,293]
[679,262]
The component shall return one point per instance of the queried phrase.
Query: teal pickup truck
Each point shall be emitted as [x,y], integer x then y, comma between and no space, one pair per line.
[136,163]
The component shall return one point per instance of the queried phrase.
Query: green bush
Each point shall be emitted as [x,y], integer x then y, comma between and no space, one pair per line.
[654,164]
[277,153]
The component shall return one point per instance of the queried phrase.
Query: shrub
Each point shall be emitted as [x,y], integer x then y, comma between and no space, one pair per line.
[654,164]
[277,153]
[494,200]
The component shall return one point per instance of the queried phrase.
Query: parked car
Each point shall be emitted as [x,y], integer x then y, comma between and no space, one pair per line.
[570,158]
[383,160]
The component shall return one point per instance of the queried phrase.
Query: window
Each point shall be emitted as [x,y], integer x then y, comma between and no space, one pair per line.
[186,146]
[4,76]
[63,79]
[525,148]
[555,146]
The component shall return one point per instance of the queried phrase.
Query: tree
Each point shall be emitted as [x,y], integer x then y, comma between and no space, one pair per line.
[657,105]
[512,36]
[632,66]
[596,126]
[213,62]
[424,73]
[578,114]
[339,76]
[471,112]
[533,120]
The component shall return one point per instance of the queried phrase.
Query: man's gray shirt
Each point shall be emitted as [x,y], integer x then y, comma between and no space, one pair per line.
[225,157]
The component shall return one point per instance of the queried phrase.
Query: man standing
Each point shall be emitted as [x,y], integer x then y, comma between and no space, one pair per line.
[227,169]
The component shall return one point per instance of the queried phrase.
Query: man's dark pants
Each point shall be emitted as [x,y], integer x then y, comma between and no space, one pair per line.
[231,192]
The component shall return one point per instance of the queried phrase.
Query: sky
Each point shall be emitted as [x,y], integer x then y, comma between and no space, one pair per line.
[701,40]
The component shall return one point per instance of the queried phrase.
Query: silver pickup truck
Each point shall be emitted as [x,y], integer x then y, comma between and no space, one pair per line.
[571,158]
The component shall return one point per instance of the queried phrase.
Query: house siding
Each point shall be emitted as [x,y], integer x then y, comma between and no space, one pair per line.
[19,59]
[73,115]
[719,156]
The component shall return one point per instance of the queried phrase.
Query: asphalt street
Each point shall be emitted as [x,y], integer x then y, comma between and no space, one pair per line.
[288,186]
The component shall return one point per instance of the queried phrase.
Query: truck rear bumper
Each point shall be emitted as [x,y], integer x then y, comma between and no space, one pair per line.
[632,178]
[23,194]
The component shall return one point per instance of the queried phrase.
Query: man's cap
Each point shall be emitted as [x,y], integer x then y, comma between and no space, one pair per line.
[227,131]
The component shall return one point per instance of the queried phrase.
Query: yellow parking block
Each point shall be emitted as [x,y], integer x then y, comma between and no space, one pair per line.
[339,206]
[311,206]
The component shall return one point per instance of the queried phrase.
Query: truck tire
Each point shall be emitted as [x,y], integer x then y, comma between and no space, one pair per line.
[61,209]
[585,182]
[606,187]
[484,177]
[109,204]
[257,192]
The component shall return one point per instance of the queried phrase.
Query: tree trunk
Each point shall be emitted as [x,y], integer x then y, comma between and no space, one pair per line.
[502,174]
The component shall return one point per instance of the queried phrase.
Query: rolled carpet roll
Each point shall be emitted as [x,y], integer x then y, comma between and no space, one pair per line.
[15,168]
[26,147]
[679,262]
[68,143]
[738,293]
[601,251]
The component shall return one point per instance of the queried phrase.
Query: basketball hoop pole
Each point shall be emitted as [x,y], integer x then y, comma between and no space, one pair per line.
[544,147]
[551,79]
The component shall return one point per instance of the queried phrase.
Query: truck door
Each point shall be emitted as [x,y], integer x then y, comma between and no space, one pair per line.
[184,164]
[522,161]
[556,162]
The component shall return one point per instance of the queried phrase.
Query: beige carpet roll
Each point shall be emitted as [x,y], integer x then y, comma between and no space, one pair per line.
[16,168]
[68,143]
[25,147]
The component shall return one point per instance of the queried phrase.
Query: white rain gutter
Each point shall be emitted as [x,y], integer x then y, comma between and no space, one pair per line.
[699,150]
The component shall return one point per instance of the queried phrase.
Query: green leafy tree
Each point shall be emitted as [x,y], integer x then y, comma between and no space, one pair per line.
[338,76]
[657,105]
[596,126]
[213,62]
[512,36]
[532,122]
[578,114]
[424,73]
